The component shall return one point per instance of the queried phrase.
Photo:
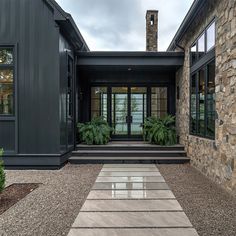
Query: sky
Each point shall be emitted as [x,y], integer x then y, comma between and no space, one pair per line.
[119,25]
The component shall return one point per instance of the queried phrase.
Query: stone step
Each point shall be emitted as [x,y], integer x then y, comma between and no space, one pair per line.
[130,147]
[130,153]
[128,159]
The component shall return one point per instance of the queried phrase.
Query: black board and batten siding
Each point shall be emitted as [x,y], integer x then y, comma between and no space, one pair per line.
[32,135]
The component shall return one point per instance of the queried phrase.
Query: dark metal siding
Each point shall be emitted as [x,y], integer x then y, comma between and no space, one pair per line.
[29,24]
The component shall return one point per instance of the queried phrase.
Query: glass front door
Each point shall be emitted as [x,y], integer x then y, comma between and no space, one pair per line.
[138,109]
[119,112]
[125,108]
[128,111]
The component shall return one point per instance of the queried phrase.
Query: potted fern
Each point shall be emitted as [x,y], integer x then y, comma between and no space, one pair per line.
[95,132]
[160,131]
[2,173]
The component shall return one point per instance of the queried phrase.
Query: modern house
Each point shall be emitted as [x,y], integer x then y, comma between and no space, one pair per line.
[50,81]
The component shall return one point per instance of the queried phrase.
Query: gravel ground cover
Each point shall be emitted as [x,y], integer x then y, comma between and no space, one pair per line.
[14,193]
[211,209]
[52,208]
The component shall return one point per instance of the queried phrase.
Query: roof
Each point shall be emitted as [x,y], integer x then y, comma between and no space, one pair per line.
[135,60]
[192,13]
[68,26]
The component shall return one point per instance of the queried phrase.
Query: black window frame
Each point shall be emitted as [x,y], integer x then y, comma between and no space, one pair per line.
[205,67]
[204,32]
[12,67]
[201,63]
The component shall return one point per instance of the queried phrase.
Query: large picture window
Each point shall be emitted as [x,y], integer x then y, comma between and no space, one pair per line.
[202,101]
[202,84]
[6,81]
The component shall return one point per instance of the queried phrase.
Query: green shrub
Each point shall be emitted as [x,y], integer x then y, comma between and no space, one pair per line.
[160,131]
[2,173]
[95,132]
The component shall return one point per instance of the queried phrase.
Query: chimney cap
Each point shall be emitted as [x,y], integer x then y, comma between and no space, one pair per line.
[152,11]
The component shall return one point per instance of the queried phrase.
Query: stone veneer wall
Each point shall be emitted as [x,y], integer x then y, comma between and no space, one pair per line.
[215,158]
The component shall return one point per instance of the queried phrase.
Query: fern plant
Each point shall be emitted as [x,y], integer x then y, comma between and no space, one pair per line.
[95,132]
[2,173]
[160,131]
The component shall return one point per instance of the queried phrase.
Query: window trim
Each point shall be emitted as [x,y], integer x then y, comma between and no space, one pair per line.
[12,66]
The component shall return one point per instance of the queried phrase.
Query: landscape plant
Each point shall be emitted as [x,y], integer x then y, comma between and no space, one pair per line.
[2,173]
[95,132]
[160,131]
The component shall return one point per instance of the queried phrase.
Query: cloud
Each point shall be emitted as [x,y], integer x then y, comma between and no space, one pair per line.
[119,25]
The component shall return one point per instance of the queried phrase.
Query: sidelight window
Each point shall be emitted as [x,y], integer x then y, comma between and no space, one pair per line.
[6,81]
[99,102]
[159,106]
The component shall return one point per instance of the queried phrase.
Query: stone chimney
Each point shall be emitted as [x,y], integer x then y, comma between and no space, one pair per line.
[152,31]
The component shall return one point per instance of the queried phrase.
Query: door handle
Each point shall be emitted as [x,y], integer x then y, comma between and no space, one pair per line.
[129,119]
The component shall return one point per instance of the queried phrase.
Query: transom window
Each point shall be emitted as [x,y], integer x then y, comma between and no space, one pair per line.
[204,43]
[6,81]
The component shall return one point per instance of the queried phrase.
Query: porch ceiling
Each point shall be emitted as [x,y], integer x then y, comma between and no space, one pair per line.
[158,61]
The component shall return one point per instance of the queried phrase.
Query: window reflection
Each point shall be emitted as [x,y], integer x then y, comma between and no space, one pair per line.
[193,105]
[159,102]
[194,53]
[6,56]
[211,100]
[201,101]
[201,46]
[6,91]
[119,110]
[99,102]
[211,36]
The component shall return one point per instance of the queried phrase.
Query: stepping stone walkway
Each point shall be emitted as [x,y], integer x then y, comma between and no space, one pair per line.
[131,200]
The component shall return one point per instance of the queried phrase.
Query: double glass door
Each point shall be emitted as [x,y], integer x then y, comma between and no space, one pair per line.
[128,111]
[125,108]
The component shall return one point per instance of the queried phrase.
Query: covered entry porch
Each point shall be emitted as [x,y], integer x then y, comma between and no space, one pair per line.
[126,87]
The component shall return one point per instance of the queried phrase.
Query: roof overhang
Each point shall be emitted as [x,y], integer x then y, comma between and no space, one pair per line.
[130,60]
[191,15]
[67,26]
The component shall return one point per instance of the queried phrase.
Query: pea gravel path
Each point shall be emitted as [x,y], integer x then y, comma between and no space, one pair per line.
[211,209]
[51,208]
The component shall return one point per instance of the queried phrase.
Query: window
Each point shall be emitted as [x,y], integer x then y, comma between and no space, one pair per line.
[202,84]
[194,53]
[6,81]
[204,43]
[201,46]
[159,102]
[193,99]
[210,100]
[70,87]
[99,102]
[202,101]
[210,33]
